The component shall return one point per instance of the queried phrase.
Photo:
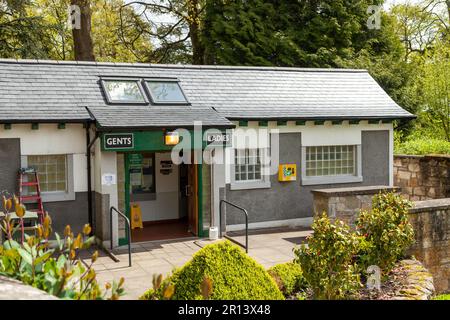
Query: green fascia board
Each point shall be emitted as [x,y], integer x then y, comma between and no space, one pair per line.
[7,126]
[354,122]
[263,123]
[337,122]
[35,126]
[281,122]
[387,121]
[61,125]
[243,123]
[300,122]
[319,122]
[374,121]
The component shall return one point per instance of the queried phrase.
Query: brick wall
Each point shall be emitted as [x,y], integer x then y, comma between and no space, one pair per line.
[422,177]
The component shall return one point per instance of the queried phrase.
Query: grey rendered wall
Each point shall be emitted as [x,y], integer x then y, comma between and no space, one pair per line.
[73,213]
[291,200]
[9,165]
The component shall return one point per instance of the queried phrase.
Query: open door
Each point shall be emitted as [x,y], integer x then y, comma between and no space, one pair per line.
[192,198]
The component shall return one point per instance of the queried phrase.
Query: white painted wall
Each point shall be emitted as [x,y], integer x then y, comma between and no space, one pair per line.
[166,204]
[106,163]
[48,140]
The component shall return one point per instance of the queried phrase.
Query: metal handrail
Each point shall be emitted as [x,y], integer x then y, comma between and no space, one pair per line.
[127,221]
[246,223]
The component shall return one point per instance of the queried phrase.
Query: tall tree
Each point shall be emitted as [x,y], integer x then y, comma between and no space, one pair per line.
[21,34]
[436,90]
[82,39]
[174,26]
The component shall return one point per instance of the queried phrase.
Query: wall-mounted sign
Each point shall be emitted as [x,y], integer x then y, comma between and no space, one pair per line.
[113,141]
[287,172]
[166,167]
[109,179]
[218,138]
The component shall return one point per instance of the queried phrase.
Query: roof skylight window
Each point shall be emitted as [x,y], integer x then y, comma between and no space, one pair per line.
[123,91]
[165,92]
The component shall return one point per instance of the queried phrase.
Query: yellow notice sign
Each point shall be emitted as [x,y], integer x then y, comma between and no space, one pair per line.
[287,172]
[136,216]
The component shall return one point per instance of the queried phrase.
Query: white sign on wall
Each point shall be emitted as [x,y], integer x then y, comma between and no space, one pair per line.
[109,179]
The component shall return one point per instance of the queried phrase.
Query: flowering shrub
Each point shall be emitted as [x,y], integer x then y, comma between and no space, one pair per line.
[386,230]
[58,271]
[328,262]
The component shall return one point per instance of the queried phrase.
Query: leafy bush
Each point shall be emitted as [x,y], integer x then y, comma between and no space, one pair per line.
[288,276]
[328,261]
[58,271]
[219,271]
[442,297]
[423,146]
[386,230]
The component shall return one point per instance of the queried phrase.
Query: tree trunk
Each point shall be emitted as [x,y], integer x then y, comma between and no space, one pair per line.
[198,51]
[82,40]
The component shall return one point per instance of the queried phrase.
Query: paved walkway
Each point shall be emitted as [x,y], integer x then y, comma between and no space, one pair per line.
[268,248]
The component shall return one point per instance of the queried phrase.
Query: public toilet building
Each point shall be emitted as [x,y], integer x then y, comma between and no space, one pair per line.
[105,135]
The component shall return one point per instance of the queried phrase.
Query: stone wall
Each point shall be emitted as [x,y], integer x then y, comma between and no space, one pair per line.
[430,219]
[11,289]
[344,203]
[422,177]
[431,222]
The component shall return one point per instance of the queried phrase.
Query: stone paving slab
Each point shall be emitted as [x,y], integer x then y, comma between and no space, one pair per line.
[162,257]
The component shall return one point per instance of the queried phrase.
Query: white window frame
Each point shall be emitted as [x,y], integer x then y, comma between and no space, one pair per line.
[263,183]
[57,196]
[123,102]
[336,179]
[165,80]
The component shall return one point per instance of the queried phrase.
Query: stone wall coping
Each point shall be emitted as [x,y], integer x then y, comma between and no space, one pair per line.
[352,191]
[426,156]
[430,205]
[11,289]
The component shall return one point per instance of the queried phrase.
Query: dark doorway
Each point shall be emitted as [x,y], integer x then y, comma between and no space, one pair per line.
[9,165]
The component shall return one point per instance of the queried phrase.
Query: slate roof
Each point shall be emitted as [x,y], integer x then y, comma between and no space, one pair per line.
[32,90]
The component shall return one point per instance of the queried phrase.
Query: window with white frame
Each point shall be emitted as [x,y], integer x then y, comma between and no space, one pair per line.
[330,161]
[247,164]
[331,164]
[52,171]
[249,169]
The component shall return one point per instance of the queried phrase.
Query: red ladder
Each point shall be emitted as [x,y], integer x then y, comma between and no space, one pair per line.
[33,182]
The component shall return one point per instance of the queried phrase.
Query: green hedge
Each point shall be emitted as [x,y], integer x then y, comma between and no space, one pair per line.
[233,274]
[288,276]
[423,146]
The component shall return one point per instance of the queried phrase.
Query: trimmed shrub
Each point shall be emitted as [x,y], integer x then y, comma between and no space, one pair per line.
[386,231]
[288,276]
[328,261]
[220,271]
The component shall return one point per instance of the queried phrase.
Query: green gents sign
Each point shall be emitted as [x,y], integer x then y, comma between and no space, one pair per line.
[154,140]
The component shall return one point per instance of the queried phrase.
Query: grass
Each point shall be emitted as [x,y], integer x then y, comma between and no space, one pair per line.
[442,297]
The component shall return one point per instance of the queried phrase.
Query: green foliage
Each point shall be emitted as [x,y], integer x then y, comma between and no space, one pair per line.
[442,297]
[232,276]
[386,230]
[285,33]
[328,260]
[58,271]
[422,146]
[288,276]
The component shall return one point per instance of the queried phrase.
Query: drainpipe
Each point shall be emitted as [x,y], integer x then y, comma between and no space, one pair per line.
[89,144]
